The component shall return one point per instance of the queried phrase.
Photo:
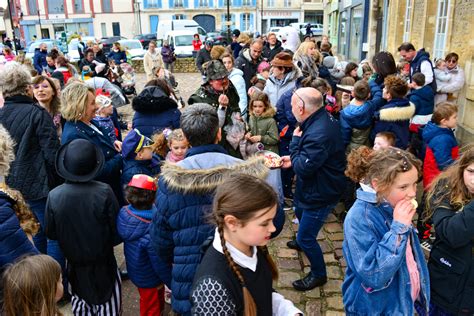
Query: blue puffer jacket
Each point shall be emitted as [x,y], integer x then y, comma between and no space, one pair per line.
[184,198]
[423,99]
[319,161]
[145,268]
[395,117]
[377,280]
[154,111]
[284,117]
[132,167]
[13,241]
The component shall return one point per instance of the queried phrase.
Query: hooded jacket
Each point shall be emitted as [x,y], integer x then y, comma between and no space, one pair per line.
[275,88]
[248,66]
[132,167]
[144,266]
[236,76]
[423,99]
[268,53]
[441,149]
[39,60]
[180,226]
[286,121]
[395,117]
[265,126]
[154,111]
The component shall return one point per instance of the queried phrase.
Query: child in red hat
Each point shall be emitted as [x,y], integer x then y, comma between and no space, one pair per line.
[143,263]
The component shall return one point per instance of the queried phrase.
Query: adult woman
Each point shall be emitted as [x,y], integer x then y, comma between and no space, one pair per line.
[117,54]
[306,58]
[283,77]
[383,65]
[451,263]
[167,52]
[8,54]
[64,71]
[456,82]
[351,70]
[151,60]
[33,172]
[78,109]
[237,79]
[154,108]
[197,43]
[46,94]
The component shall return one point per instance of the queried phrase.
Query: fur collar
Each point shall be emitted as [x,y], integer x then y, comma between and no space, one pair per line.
[269,112]
[204,181]
[153,99]
[397,113]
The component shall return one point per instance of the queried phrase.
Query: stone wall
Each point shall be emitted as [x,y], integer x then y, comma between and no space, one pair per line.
[181,65]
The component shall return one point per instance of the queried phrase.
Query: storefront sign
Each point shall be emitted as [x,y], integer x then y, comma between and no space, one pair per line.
[281,14]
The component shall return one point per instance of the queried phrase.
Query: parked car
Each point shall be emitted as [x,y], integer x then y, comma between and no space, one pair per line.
[219,38]
[182,42]
[50,43]
[107,42]
[73,51]
[133,47]
[145,39]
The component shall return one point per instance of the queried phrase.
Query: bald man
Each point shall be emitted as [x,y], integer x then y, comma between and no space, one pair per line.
[318,160]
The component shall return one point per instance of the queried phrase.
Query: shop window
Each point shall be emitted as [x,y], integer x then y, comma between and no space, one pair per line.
[32,7]
[55,6]
[179,17]
[103,28]
[245,21]
[153,4]
[270,3]
[407,27]
[78,6]
[107,6]
[441,33]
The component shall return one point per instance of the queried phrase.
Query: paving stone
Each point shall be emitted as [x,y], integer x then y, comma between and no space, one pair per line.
[286,278]
[294,227]
[343,263]
[287,232]
[336,236]
[307,270]
[280,242]
[333,286]
[337,244]
[338,253]
[334,313]
[313,308]
[314,293]
[340,208]
[333,227]
[329,258]
[335,303]
[287,253]
[290,264]
[321,235]
[291,295]
[305,260]
[334,272]
[331,218]
[325,246]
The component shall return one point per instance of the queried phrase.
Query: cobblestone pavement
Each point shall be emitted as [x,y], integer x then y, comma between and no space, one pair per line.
[292,265]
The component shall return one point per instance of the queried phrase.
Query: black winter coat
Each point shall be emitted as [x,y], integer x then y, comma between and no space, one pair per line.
[451,263]
[203,56]
[82,218]
[268,53]
[32,128]
[248,66]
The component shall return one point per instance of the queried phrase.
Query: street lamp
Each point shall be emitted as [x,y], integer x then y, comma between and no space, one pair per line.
[13,26]
[137,5]
[228,19]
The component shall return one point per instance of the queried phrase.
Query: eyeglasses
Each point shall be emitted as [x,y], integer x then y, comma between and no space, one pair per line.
[301,99]
[451,61]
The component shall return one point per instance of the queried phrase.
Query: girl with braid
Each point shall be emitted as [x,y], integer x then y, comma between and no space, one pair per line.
[236,273]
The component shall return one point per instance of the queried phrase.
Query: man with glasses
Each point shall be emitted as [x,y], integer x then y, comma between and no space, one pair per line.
[448,91]
[249,60]
[318,160]
[419,62]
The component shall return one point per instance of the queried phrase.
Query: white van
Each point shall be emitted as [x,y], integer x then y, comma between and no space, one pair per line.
[166,26]
[182,41]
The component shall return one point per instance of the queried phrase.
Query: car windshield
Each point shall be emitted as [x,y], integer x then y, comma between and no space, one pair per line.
[183,40]
[131,44]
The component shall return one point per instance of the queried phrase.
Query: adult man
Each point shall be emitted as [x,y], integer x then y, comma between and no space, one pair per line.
[39,59]
[318,160]
[235,45]
[249,60]
[180,225]
[272,47]
[204,55]
[419,62]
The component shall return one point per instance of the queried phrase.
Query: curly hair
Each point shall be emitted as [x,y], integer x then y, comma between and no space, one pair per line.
[396,86]
[15,79]
[7,154]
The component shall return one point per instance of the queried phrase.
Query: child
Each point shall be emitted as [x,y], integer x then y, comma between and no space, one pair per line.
[178,145]
[103,115]
[395,115]
[423,98]
[263,127]
[138,157]
[384,140]
[33,285]
[386,271]
[259,80]
[356,118]
[403,70]
[238,262]
[143,263]
[451,208]
[441,74]
[81,214]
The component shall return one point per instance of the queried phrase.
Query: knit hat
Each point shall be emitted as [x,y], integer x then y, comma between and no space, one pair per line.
[215,69]
[282,60]
[263,66]
[329,62]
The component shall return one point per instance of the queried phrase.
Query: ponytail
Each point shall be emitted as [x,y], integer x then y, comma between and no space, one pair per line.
[160,144]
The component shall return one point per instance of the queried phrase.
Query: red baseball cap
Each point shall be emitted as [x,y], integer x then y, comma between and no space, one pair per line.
[142,181]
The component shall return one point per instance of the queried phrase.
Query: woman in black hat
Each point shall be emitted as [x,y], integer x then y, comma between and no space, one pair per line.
[78,109]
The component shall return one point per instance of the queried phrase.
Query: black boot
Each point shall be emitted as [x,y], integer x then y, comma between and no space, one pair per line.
[309,282]
[292,244]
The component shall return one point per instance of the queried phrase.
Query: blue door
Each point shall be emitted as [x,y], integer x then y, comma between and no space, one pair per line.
[153,23]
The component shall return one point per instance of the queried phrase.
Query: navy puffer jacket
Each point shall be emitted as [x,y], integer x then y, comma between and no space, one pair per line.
[154,111]
[144,266]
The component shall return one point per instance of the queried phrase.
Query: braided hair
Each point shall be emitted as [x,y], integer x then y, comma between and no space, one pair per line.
[242,196]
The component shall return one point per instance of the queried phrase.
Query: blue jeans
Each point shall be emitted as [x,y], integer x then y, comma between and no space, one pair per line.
[311,222]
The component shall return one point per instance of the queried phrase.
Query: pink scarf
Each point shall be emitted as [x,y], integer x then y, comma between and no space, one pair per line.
[413,272]
[173,158]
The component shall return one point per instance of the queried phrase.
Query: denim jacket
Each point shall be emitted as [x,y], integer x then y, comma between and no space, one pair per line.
[377,280]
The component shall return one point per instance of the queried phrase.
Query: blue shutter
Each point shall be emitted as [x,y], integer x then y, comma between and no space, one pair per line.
[236,3]
[241,28]
[171,4]
[91,29]
[173,17]
[232,18]
[211,3]
[254,2]
[251,22]
[153,23]
[196,4]
[159,4]
[186,4]
[220,3]
[145,4]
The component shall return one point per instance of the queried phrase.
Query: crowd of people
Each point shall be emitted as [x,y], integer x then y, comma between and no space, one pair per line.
[195,204]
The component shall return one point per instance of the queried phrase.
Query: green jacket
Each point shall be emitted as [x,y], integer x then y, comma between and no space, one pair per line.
[265,126]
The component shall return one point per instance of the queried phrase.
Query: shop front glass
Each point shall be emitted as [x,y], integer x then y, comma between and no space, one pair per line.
[356,34]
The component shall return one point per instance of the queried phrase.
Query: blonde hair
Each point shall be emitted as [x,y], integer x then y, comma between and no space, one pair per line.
[30,287]
[74,100]
[303,49]
[162,141]
[7,154]
[176,135]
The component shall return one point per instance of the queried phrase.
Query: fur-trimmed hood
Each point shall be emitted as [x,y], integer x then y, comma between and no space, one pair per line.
[397,110]
[153,99]
[269,112]
[204,181]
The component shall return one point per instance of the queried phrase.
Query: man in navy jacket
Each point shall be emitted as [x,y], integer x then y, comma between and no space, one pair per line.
[318,160]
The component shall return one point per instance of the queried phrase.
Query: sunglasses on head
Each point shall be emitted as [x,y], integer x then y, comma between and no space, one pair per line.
[301,99]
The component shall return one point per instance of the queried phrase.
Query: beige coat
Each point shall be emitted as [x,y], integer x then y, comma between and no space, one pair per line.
[151,61]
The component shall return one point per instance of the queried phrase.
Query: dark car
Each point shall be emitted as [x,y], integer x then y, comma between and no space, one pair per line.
[107,42]
[220,38]
[145,39]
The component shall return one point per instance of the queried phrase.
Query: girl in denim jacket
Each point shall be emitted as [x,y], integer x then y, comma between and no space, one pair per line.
[386,272]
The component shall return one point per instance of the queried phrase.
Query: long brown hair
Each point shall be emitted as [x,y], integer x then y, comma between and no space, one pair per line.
[449,185]
[30,287]
[55,105]
[242,196]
